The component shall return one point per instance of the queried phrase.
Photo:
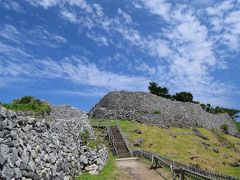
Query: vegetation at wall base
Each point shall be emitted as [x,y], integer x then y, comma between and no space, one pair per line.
[108,172]
[30,104]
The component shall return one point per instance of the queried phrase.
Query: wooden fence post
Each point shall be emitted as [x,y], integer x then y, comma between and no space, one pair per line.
[182,174]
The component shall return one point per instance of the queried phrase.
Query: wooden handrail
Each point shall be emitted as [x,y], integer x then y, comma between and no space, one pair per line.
[190,171]
[112,140]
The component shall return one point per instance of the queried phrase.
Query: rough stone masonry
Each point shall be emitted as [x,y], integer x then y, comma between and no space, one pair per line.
[48,148]
[154,110]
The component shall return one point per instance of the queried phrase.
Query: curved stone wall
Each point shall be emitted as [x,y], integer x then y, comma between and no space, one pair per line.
[154,110]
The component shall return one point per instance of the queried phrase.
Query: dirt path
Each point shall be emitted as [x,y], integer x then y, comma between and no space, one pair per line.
[137,170]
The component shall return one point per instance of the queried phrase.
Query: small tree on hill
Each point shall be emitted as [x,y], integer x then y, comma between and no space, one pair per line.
[153,87]
[208,108]
[158,90]
[204,107]
[183,96]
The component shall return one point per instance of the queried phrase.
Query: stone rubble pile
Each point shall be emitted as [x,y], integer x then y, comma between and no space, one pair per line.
[49,148]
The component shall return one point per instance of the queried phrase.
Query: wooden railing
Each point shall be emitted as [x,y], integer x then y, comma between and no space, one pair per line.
[181,170]
[112,140]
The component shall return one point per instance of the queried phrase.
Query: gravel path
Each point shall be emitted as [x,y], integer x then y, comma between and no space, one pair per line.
[137,170]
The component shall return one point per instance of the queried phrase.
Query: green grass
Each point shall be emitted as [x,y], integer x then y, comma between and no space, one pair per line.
[186,145]
[104,122]
[234,170]
[108,173]
[238,126]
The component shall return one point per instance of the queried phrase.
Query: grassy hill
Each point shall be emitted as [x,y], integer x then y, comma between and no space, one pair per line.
[219,153]
[30,104]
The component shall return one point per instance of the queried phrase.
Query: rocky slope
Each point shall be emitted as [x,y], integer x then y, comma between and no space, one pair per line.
[154,110]
[49,148]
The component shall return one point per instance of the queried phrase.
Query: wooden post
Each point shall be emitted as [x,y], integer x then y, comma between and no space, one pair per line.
[182,176]
[153,162]
[174,178]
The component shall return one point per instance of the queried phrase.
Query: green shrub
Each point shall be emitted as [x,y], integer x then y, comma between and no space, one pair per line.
[90,142]
[183,97]
[224,128]
[24,100]
[29,103]
[157,112]
[85,137]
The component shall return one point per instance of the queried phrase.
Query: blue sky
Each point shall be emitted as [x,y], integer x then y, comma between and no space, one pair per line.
[75,51]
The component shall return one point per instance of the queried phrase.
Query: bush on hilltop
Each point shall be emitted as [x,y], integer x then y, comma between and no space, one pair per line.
[29,103]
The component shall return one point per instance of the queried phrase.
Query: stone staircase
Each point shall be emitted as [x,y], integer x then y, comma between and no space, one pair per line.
[121,147]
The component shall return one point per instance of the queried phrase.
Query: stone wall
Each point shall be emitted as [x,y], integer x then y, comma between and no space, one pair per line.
[154,110]
[49,148]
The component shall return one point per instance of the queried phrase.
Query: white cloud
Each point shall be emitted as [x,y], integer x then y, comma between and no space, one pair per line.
[11,5]
[151,45]
[99,10]
[190,56]
[143,67]
[73,69]
[38,35]
[61,3]
[157,48]
[89,92]
[219,9]
[99,39]
[11,52]
[158,7]
[70,16]
[233,17]
[88,74]
[82,4]
[225,22]
[9,32]
[126,16]
[44,3]
[231,37]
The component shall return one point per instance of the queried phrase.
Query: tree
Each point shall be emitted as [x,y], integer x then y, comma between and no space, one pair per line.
[183,96]
[204,107]
[158,90]
[153,87]
[208,108]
